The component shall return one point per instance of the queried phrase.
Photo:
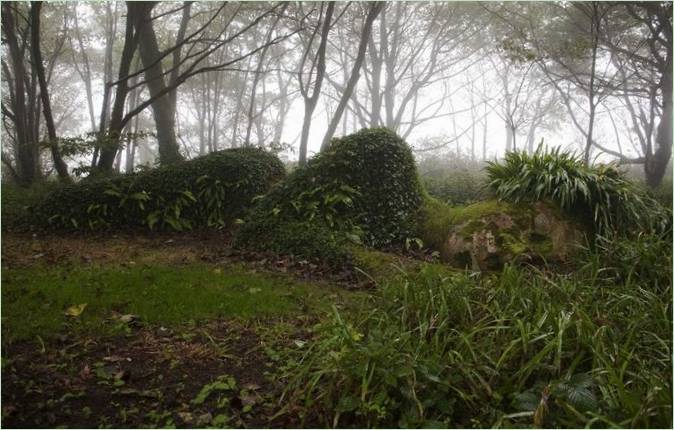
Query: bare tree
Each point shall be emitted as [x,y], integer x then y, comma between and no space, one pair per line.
[374,10]
[317,64]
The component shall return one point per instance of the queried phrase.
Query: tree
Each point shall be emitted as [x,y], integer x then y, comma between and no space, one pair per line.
[317,63]
[20,105]
[36,55]
[374,10]
[640,37]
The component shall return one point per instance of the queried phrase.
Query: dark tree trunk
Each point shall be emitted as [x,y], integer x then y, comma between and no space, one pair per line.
[162,108]
[375,9]
[311,101]
[109,150]
[59,165]
[656,165]
[27,149]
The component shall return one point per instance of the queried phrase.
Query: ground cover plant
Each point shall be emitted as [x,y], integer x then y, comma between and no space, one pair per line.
[518,348]
[209,191]
[601,195]
[363,189]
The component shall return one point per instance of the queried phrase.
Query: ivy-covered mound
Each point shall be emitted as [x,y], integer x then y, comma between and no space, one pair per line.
[364,189]
[208,191]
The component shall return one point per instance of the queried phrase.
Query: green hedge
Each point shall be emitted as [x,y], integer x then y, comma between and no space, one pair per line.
[364,188]
[208,191]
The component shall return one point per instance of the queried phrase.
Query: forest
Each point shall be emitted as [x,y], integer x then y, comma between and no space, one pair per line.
[336,214]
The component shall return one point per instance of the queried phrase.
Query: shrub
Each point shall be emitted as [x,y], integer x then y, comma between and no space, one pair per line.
[208,191]
[311,240]
[599,194]
[17,200]
[364,188]
[519,349]
[453,178]
[457,187]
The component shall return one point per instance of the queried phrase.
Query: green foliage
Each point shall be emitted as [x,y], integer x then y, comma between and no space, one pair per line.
[453,179]
[17,200]
[364,189]
[457,187]
[519,348]
[663,193]
[598,194]
[312,240]
[35,298]
[208,191]
[646,257]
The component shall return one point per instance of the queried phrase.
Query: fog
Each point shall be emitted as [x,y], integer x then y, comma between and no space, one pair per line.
[463,79]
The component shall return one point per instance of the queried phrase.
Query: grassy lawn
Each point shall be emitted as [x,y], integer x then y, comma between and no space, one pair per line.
[35,300]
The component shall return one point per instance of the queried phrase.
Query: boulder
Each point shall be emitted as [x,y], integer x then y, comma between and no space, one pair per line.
[488,234]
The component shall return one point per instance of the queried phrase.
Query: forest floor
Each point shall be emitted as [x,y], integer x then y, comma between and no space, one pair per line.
[155,330]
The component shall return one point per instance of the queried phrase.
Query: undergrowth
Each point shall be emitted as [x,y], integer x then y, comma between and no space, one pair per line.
[520,348]
[601,194]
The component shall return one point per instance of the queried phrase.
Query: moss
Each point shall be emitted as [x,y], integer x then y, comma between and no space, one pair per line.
[376,264]
[541,245]
[473,226]
[513,243]
[480,210]
[436,221]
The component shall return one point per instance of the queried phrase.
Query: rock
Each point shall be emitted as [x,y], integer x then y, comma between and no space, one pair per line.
[486,235]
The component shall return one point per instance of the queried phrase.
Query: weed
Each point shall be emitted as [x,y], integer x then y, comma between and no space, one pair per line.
[522,347]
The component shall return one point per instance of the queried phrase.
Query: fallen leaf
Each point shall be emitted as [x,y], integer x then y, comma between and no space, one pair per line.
[75,310]
[186,417]
[128,318]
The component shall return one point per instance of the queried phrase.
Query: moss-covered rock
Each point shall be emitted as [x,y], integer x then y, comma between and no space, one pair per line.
[364,188]
[485,235]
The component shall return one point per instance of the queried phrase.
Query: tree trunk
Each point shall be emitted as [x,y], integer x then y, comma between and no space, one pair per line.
[109,150]
[110,31]
[27,150]
[655,166]
[60,166]
[375,9]
[162,108]
[311,101]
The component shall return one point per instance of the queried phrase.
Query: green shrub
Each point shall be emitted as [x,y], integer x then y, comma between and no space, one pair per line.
[17,200]
[457,187]
[663,193]
[311,240]
[599,194]
[364,189]
[517,349]
[208,191]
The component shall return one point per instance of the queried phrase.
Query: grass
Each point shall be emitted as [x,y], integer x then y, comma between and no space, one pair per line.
[519,348]
[34,300]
